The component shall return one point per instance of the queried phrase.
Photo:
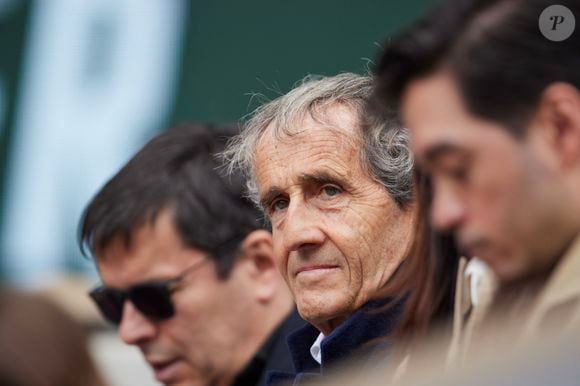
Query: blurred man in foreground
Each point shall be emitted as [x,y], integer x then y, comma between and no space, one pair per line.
[187,268]
[492,102]
[338,194]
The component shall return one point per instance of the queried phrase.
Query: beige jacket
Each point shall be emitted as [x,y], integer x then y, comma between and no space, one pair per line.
[554,308]
[558,304]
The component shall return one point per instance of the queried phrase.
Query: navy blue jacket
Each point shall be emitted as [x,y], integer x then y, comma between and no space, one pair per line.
[359,336]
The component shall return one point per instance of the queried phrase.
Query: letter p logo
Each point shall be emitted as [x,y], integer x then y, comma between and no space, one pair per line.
[557,23]
[557,20]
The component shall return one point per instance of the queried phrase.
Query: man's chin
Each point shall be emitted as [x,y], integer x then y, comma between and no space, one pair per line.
[323,316]
[507,271]
[186,382]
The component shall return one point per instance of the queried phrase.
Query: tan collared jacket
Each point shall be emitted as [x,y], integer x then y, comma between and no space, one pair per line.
[553,308]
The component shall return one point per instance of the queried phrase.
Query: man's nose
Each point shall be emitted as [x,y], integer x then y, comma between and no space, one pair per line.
[447,210]
[135,328]
[302,227]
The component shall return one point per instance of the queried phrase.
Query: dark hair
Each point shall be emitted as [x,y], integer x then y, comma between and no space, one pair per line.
[41,344]
[177,170]
[494,50]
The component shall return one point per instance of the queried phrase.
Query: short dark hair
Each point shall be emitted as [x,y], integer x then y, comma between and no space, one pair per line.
[178,170]
[494,50]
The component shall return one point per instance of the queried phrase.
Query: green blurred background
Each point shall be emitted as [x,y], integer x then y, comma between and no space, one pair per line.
[83,84]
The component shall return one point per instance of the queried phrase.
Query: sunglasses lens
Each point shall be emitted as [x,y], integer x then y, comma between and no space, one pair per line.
[109,303]
[153,300]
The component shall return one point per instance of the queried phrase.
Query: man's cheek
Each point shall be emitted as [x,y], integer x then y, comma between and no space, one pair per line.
[281,263]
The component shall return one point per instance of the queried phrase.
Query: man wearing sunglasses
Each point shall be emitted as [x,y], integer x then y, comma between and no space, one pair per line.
[186,265]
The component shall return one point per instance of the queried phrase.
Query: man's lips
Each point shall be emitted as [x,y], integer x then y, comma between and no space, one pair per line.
[492,254]
[164,370]
[314,267]
[474,249]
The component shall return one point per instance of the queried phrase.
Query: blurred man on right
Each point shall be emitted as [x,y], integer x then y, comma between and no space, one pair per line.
[490,91]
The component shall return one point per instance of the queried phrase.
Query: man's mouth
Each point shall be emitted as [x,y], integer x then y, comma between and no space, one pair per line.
[315,269]
[479,248]
[165,371]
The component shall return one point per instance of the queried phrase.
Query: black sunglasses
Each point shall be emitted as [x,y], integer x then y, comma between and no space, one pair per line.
[152,299]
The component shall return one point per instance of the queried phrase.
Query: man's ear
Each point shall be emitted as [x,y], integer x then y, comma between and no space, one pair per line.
[258,255]
[559,123]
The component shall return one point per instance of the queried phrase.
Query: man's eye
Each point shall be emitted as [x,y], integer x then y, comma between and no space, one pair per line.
[279,204]
[331,190]
[458,174]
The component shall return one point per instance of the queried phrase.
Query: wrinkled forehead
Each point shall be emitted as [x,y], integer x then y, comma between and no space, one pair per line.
[338,119]
[313,146]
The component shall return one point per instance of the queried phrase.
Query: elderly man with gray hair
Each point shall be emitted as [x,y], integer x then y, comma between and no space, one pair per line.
[337,188]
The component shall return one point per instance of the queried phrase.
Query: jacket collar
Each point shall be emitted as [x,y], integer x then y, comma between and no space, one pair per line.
[273,355]
[561,294]
[360,334]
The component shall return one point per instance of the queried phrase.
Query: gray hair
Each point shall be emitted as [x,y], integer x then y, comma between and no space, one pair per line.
[385,152]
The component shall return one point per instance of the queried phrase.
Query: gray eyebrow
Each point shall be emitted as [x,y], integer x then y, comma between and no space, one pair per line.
[270,195]
[318,178]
